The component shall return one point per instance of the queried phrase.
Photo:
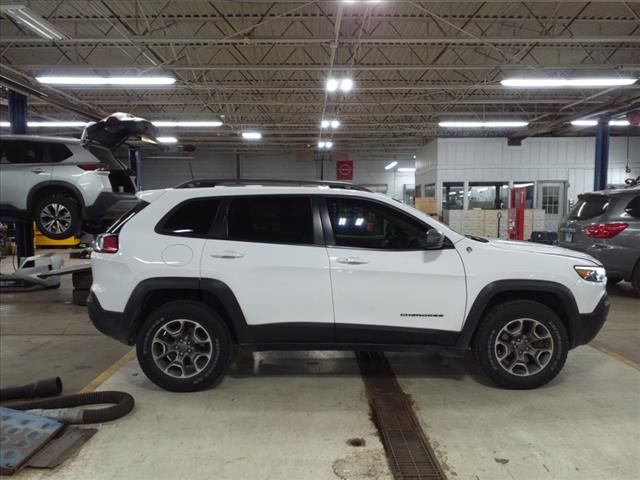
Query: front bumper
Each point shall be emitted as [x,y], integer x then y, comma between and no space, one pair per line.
[587,325]
[114,324]
[111,205]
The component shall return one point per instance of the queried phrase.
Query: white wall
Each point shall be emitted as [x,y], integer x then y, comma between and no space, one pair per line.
[368,170]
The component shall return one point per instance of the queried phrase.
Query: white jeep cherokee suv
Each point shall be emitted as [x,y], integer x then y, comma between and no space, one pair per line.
[190,274]
[61,182]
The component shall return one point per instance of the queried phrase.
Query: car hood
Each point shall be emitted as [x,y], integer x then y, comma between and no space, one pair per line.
[114,130]
[541,249]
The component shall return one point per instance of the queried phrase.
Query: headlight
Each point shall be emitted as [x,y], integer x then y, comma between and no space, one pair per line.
[592,274]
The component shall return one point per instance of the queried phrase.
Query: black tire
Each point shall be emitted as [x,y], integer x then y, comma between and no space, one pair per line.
[79,296]
[635,278]
[47,206]
[530,374]
[165,318]
[613,280]
[82,279]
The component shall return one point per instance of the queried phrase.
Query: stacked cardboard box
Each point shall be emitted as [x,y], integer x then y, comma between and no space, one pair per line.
[485,222]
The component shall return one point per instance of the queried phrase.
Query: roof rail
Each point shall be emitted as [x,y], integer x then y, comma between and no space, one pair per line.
[212,182]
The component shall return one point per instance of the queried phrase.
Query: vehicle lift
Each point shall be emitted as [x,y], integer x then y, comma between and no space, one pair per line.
[29,275]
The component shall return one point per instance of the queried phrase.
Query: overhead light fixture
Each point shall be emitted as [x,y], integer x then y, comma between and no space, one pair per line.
[414,157]
[593,123]
[406,169]
[61,124]
[493,124]
[251,135]
[167,139]
[567,82]
[325,145]
[391,165]
[83,81]
[344,84]
[329,123]
[187,123]
[522,185]
[5,124]
[34,22]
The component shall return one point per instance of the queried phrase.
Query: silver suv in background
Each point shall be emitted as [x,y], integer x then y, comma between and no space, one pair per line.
[62,182]
[606,225]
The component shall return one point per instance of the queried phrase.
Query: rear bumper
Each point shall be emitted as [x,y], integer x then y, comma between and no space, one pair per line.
[587,325]
[111,205]
[114,324]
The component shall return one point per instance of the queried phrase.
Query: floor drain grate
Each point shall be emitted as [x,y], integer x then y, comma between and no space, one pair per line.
[408,451]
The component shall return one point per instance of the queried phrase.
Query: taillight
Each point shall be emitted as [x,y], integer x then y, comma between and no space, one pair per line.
[107,243]
[94,166]
[604,230]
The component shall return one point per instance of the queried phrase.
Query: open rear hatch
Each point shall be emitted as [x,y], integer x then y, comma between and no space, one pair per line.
[103,137]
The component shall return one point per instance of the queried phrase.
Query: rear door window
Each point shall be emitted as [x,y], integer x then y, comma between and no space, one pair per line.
[192,218]
[590,206]
[285,219]
[633,208]
[22,151]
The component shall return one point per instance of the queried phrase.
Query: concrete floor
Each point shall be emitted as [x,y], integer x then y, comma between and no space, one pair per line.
[289,415]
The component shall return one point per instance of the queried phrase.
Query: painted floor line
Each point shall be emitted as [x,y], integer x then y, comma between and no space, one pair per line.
[105,375]
[618,357]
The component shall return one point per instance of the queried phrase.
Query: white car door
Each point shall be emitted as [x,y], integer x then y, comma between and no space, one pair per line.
[23,165]
[273,259]
[387,288]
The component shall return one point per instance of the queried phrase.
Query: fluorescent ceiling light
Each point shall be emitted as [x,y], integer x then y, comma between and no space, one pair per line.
[329,123]
[167,139]
[188,123]
[522,185]
[344,84]
[406,169]
[61,124]
[593,123]
[391,165]
[5,124]
[325,144]
[106,81]
[567,82]
[251,135]
[495,124]
[34,22]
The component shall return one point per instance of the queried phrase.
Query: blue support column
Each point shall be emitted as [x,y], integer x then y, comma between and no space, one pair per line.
[135,163]
[602,154]
[18,120]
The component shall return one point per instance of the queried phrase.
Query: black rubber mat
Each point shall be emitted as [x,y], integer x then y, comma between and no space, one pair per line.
[408,451]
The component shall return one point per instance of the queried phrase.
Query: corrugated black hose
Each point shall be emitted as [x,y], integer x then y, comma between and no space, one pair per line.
[63,408]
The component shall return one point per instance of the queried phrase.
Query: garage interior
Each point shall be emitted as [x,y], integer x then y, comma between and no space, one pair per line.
[426,102]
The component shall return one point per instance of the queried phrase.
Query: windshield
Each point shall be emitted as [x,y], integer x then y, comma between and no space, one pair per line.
[589,207]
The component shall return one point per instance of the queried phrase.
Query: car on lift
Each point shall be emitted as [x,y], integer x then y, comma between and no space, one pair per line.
[606,225]
[191,274]
[65,184]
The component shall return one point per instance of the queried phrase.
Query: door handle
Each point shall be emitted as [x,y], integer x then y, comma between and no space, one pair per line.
[352,260]
[38,170]
[227,254]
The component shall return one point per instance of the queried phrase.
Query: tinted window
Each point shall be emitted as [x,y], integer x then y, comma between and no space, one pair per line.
[105,156]
[271,220]
[363,224]
[633,208]
[21,151]
[589,206]
[192,218]
[58,152]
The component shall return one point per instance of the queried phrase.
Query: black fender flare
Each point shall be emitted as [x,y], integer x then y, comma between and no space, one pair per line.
[484,297]
[221,291]
[54,183]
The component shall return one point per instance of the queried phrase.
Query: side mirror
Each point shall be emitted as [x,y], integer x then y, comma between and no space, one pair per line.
[435,239]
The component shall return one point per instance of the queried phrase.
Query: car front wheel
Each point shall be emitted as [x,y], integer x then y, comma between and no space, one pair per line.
[521,344]
[184,346]
[58,216]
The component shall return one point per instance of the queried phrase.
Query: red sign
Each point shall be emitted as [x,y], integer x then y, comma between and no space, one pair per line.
[344,170]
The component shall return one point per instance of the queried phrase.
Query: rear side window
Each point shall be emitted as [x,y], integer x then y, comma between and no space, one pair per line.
[589,206]
[271,220]
[633,209]
[58,152]
[119,223]
[192,218]
[22,151]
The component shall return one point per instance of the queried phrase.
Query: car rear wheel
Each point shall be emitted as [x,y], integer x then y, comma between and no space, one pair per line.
[521,344]
[184,346]
[58,216]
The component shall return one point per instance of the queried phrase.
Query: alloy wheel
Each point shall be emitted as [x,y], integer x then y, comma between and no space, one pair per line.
[55,218]
[524,347]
